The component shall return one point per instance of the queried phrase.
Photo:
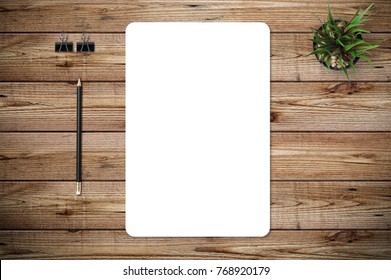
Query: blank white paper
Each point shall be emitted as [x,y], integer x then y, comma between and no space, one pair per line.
[197,129]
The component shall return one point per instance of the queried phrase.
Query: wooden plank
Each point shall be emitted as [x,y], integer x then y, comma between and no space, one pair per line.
[331,205]
[295,156]
[52,107]
[51,156]
[295,106]
[100,16]
[54,205]
[31,57]
[289,61]
[331,156]
[294,205]
[330,244]
[330,106]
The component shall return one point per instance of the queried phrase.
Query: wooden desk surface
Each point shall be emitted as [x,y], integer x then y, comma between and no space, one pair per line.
[331,141]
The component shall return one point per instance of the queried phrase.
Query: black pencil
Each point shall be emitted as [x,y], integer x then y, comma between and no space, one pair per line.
[78,139]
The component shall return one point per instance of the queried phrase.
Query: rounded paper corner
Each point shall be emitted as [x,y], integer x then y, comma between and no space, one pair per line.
[264,26]
[265,231]
[131,232]
[131,26]
[131,228]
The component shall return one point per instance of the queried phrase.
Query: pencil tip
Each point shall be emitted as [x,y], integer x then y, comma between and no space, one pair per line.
[78,188]
[79,83]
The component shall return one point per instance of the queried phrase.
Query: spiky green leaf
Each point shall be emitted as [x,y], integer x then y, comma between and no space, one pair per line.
[359,17]
[346,73]
[358,42]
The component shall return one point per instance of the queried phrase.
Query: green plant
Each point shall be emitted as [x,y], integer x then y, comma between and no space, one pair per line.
[339,44]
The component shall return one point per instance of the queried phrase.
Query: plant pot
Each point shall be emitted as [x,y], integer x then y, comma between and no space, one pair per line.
[314,45]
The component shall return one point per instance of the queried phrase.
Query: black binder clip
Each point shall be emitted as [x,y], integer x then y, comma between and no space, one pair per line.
[85,45]
[63,45]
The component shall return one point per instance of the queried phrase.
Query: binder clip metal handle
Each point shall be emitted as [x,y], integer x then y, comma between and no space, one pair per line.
[63,45]
[85,45]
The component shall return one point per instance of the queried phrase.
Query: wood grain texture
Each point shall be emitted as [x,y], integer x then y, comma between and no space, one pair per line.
[328,244]
[295,106]
[52,107]
[330,106]
[294,205]
[54,205]
[331,156]
[101,16]
[323,129]
[295,156]
[289,61]
[331,205]
[31,57]
[41,156]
